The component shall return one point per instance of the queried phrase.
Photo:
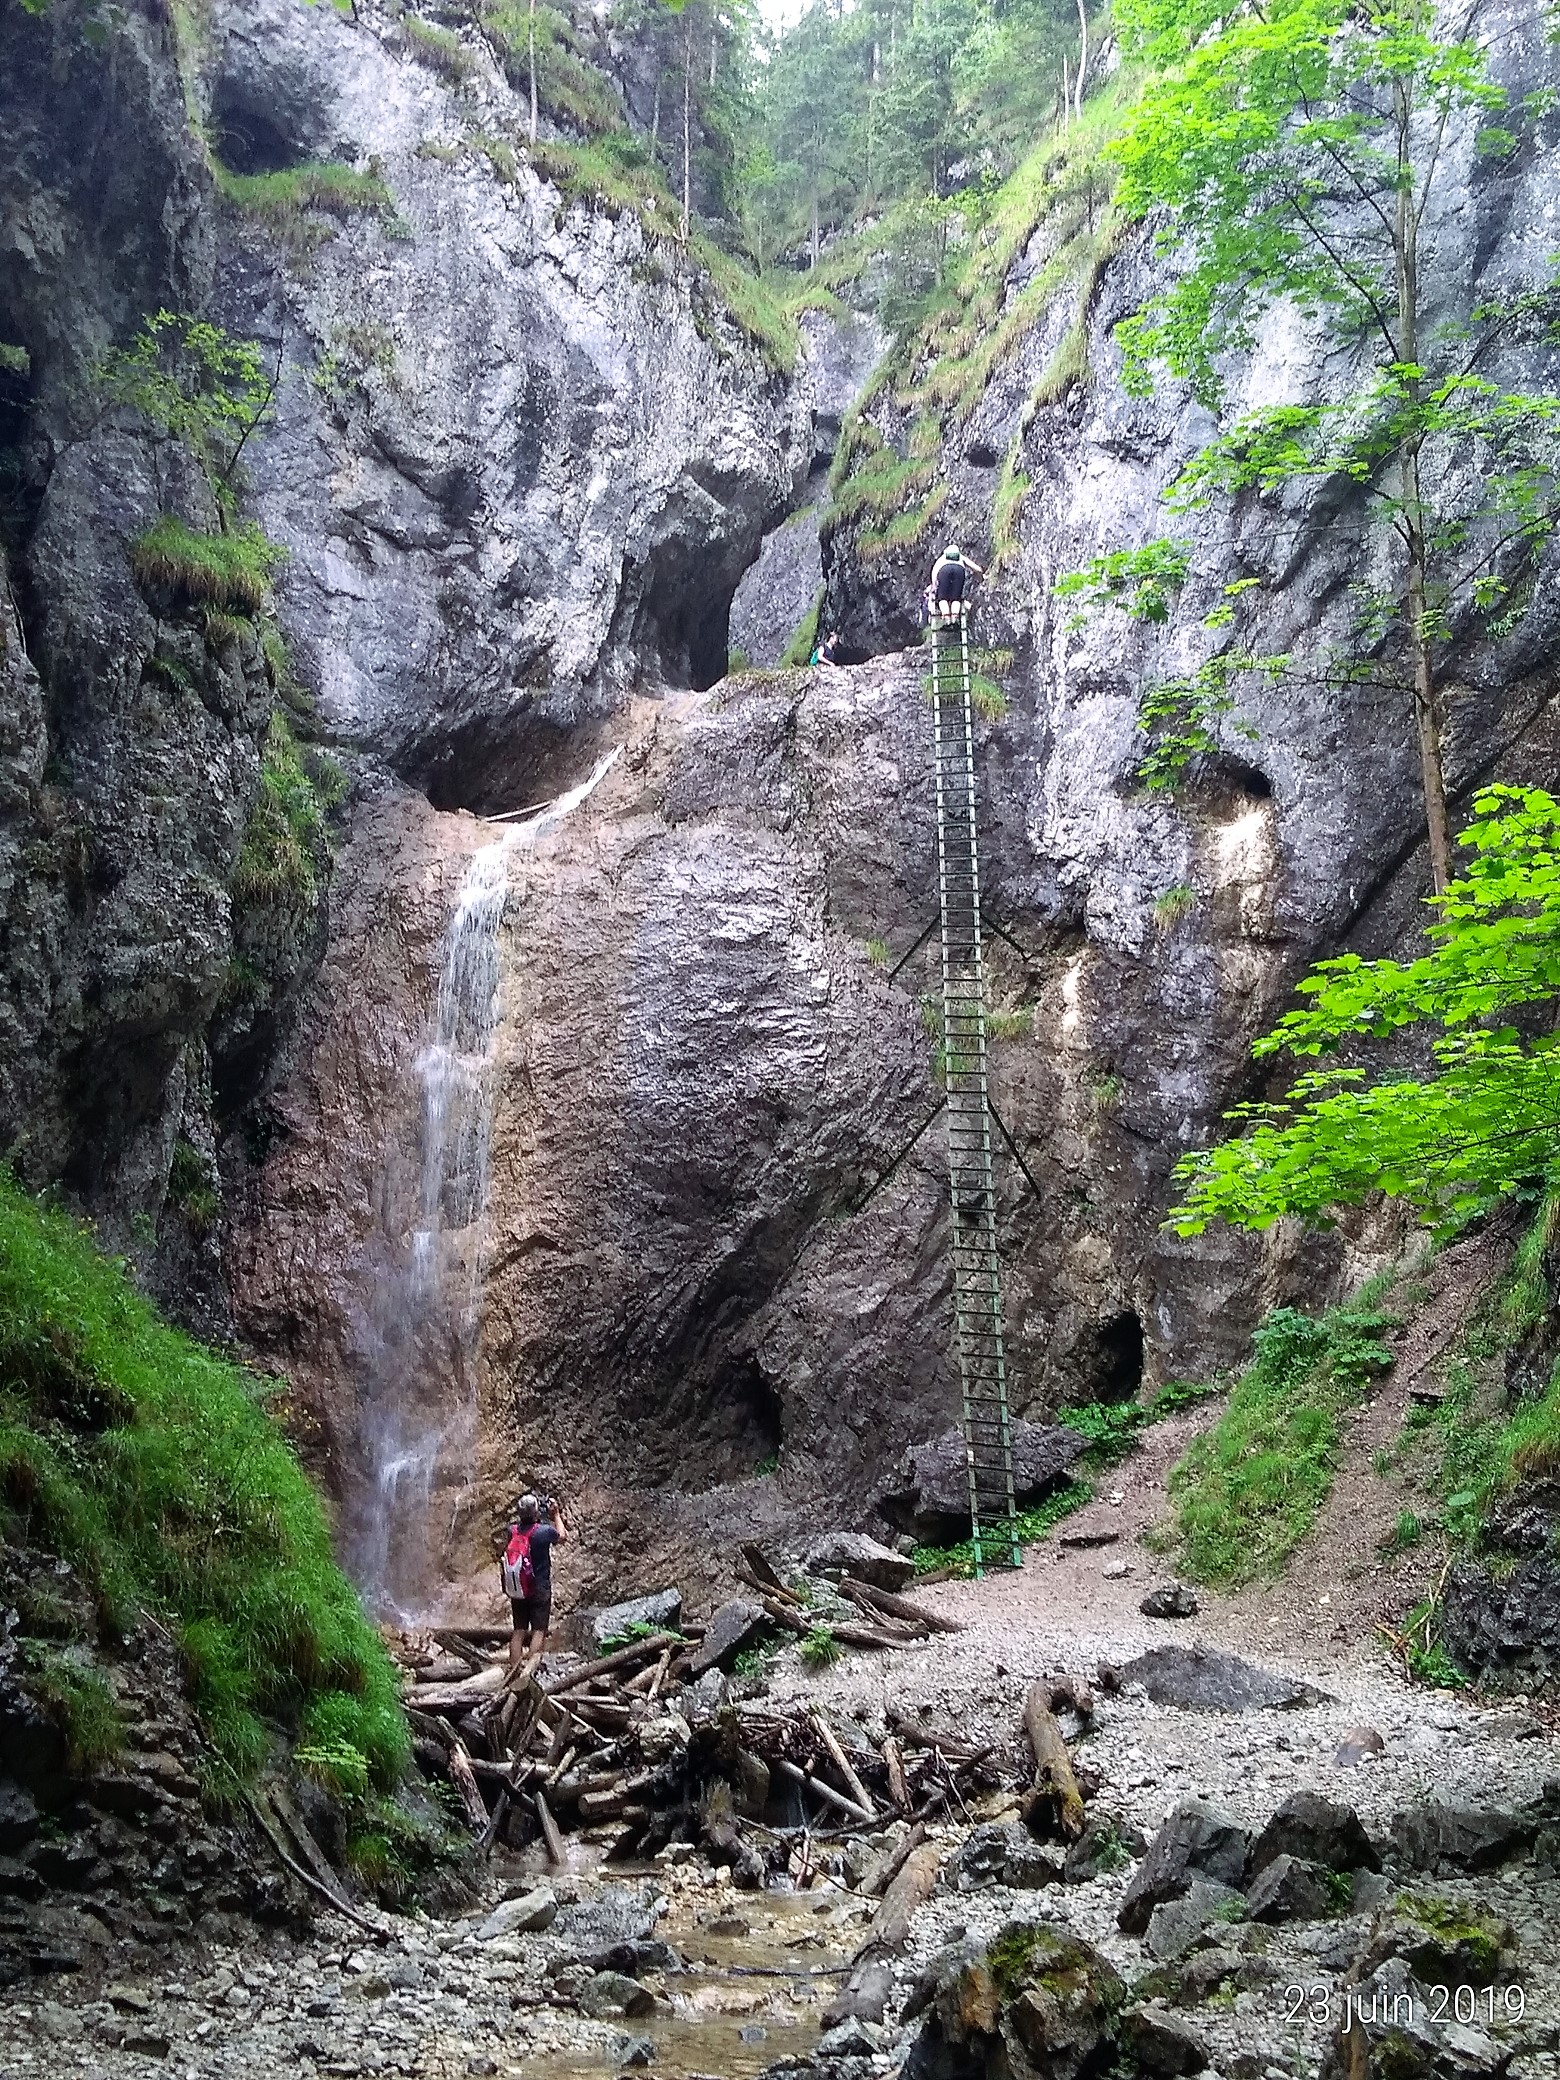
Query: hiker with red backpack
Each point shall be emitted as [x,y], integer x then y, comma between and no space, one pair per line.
[526,1573]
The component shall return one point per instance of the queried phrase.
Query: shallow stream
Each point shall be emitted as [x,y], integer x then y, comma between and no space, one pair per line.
[756,1980]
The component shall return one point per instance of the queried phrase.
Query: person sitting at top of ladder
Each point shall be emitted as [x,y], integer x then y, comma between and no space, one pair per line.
[950,575]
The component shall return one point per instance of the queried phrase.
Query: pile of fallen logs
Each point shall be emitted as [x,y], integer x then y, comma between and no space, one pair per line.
[626,1751]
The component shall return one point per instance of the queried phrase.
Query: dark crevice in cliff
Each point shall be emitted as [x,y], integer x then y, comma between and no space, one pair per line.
[682,594]
[1119,1345]
[21,484]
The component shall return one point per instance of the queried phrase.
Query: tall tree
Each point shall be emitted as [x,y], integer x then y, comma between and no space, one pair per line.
[1308,152]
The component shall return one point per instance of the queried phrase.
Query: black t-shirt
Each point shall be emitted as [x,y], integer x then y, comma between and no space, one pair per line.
[543,1538]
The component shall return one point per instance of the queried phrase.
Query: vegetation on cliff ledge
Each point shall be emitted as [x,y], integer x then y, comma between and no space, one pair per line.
[149,1462]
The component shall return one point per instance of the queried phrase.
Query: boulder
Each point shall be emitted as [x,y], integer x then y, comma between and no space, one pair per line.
[1391,2030]
[614,1993]
[734,1626]
[1179,1925]
[1170,1600]
[1445,1834]
[1319,1830]
[1205,1973]
[1003,1853]
[632,1958]
[527,1915]
[616,1914]
[1196,1841]
[1160,2044]
[1202,1679]
[1357,1743]
[1287,1888]
[930,1493]
[853,1553]
[1442,1942]
[1038,2001]
[663,1610]
[852,2038]
[1108,1842]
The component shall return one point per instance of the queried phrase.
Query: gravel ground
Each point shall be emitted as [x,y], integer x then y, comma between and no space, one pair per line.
[437,2003]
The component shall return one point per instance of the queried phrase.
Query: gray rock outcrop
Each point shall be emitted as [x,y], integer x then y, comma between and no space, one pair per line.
[1196,1841]
[930,1495]
[1205,1679]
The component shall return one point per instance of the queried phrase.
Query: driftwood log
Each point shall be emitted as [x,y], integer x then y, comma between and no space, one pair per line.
[842,1763]
[1055,1789]
[609,1664]
[826,1792]
[864,1995]
[896,1606]
[464,1778]
[894,1764]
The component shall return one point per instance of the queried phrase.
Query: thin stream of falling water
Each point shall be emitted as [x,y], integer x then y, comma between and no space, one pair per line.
[417,1429]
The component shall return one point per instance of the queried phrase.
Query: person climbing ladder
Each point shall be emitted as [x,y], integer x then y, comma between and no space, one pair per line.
[945,595]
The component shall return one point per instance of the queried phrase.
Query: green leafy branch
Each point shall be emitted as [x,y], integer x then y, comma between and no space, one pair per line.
[199,385]
[1484,1123]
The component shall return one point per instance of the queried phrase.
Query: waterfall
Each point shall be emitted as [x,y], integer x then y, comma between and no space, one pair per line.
[415,1457]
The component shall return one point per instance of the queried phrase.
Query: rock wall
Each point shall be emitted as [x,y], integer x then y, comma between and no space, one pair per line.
[1168,934]
[132,745]
[518,452]
[521,454]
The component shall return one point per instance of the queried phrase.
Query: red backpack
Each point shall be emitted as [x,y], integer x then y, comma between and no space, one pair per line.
[515,1569]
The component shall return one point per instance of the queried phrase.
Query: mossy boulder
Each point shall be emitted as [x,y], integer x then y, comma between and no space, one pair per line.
[1443,1942]
[1037,2001]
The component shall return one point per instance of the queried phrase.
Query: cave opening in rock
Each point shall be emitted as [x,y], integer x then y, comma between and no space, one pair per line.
[1227,777]
[249,141]
[981,455]
[735,1429]
[1119,1358]
[683,625]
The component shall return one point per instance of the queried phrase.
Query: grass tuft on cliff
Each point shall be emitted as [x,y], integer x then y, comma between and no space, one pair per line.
[286,845]
[230,573]
[281,199]
[149,1463]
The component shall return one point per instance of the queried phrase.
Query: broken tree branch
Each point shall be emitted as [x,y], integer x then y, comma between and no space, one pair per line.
[1055,1783]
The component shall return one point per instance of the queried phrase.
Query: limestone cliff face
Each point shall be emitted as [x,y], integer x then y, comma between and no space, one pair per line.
[699,1074]
[1167,935]
[519,454]
[521,458]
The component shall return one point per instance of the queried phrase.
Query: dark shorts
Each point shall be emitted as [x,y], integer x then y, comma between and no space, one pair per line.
[532,1613]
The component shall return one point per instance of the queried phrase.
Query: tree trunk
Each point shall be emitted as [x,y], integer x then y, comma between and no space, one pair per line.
[531,46]
[911,1888]
[1083,58]
[1055,1785]
[1428,715]
[687,199]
